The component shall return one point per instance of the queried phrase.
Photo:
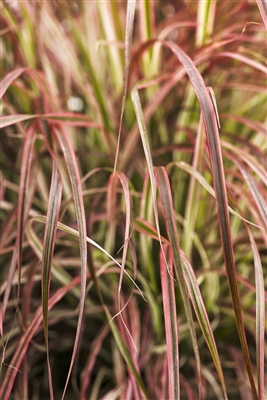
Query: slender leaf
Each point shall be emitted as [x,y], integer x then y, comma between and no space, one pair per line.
[170,318]
[80,213]
[48,249]
[127,53]
[166,199]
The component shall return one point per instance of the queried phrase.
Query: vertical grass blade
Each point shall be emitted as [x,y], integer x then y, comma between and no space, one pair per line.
[146,146]
[166,199]
[127,53]
[170,318]
[211,128]
[27,156]
[48,249]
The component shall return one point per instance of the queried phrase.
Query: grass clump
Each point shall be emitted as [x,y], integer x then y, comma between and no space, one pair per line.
[133,200]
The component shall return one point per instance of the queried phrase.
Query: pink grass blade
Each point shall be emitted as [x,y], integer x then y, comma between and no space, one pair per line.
[127,53]
[9,79]
[260,309]
[263,10]
[27,156]
[166,199]
[260,315]
[243,59]
[144,227]
[170,318]
[215,153]
[255,191]
[9,378]
[48,249]
[127,198]
[80,214]
[202,316]
[73,119]
[8,120]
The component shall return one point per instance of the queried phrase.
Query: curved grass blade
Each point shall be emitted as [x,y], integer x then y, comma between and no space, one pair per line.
[215,154]
[8,79]
[80,214]
[166,199]
[202,316]
[48,249]
[170,318]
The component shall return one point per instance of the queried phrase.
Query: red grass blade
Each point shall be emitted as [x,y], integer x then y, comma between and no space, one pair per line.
[255,191]
[170,318]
